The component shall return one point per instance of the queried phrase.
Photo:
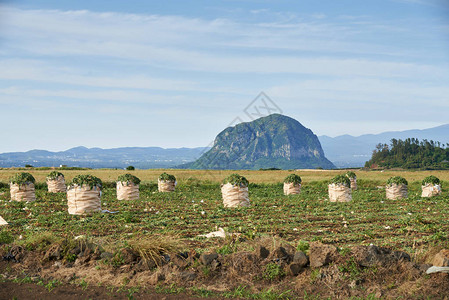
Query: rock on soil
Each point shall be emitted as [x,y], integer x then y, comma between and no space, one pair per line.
[321,254]
[367,256]
[294,269]
[17,253]
[262,252]
[441,259]
[301,259]
[281,254]
[106,255]
[187,276]
[129,256]
[207,259]
[156,278]
[54,253]
[180,262]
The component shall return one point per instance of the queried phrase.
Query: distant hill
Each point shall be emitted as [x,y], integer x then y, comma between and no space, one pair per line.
[139,157]
[261,151]
[275,141]
[350,151]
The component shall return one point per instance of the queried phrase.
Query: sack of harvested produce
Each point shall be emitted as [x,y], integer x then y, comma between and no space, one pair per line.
[431,186]
[166,183]
[128,187]
[292,185]
[21,187]
[353,179]
[397,188]
[234,191]
[340,189]
[83,195]
[56,182]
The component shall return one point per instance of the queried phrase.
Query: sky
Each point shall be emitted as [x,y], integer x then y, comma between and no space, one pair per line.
[176,73]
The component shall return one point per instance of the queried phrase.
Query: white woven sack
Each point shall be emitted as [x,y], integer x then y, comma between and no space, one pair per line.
[23,192]
[430,190]
[339,193]
[56,185]
[234,195]
[83,199]
[291,188]
[395,191]
[166,185]
[127,191]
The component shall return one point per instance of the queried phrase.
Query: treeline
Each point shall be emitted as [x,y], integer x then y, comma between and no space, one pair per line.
[410,154]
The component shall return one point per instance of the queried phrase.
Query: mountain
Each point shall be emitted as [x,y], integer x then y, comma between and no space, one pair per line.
[139,157]
[275,141]
[350,151]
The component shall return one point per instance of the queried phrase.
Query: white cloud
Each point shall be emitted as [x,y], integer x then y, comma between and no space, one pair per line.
[201,73]
[363,92]
[35,70]
[436,3]
[209,46]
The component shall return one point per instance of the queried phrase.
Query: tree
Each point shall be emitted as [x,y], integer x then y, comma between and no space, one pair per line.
[410,154]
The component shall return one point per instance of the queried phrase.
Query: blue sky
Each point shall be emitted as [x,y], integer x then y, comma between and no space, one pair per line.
[175,73]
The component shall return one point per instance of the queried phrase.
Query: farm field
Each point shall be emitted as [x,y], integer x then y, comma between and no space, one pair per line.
[417,226]
[218,175]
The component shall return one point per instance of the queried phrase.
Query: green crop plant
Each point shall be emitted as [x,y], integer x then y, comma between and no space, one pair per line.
[273,271]
[6,237]
[303,246]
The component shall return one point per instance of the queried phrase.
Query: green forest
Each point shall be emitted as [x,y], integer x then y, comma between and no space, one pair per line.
[410,154]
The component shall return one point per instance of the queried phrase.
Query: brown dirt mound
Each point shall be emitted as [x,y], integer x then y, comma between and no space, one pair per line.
[364,271]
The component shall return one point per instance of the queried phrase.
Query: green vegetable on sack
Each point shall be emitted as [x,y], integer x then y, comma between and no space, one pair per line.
[89,180]
[293,178]
[127,178]
[236,179]
[22,178]
[341,179]
[398,180]
[167,177]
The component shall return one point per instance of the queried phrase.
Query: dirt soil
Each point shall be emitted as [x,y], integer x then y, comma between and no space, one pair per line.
[30,291]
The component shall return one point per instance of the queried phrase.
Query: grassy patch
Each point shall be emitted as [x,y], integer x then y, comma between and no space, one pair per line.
[273,272]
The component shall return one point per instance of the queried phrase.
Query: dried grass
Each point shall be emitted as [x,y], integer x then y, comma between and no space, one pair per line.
[151,248]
